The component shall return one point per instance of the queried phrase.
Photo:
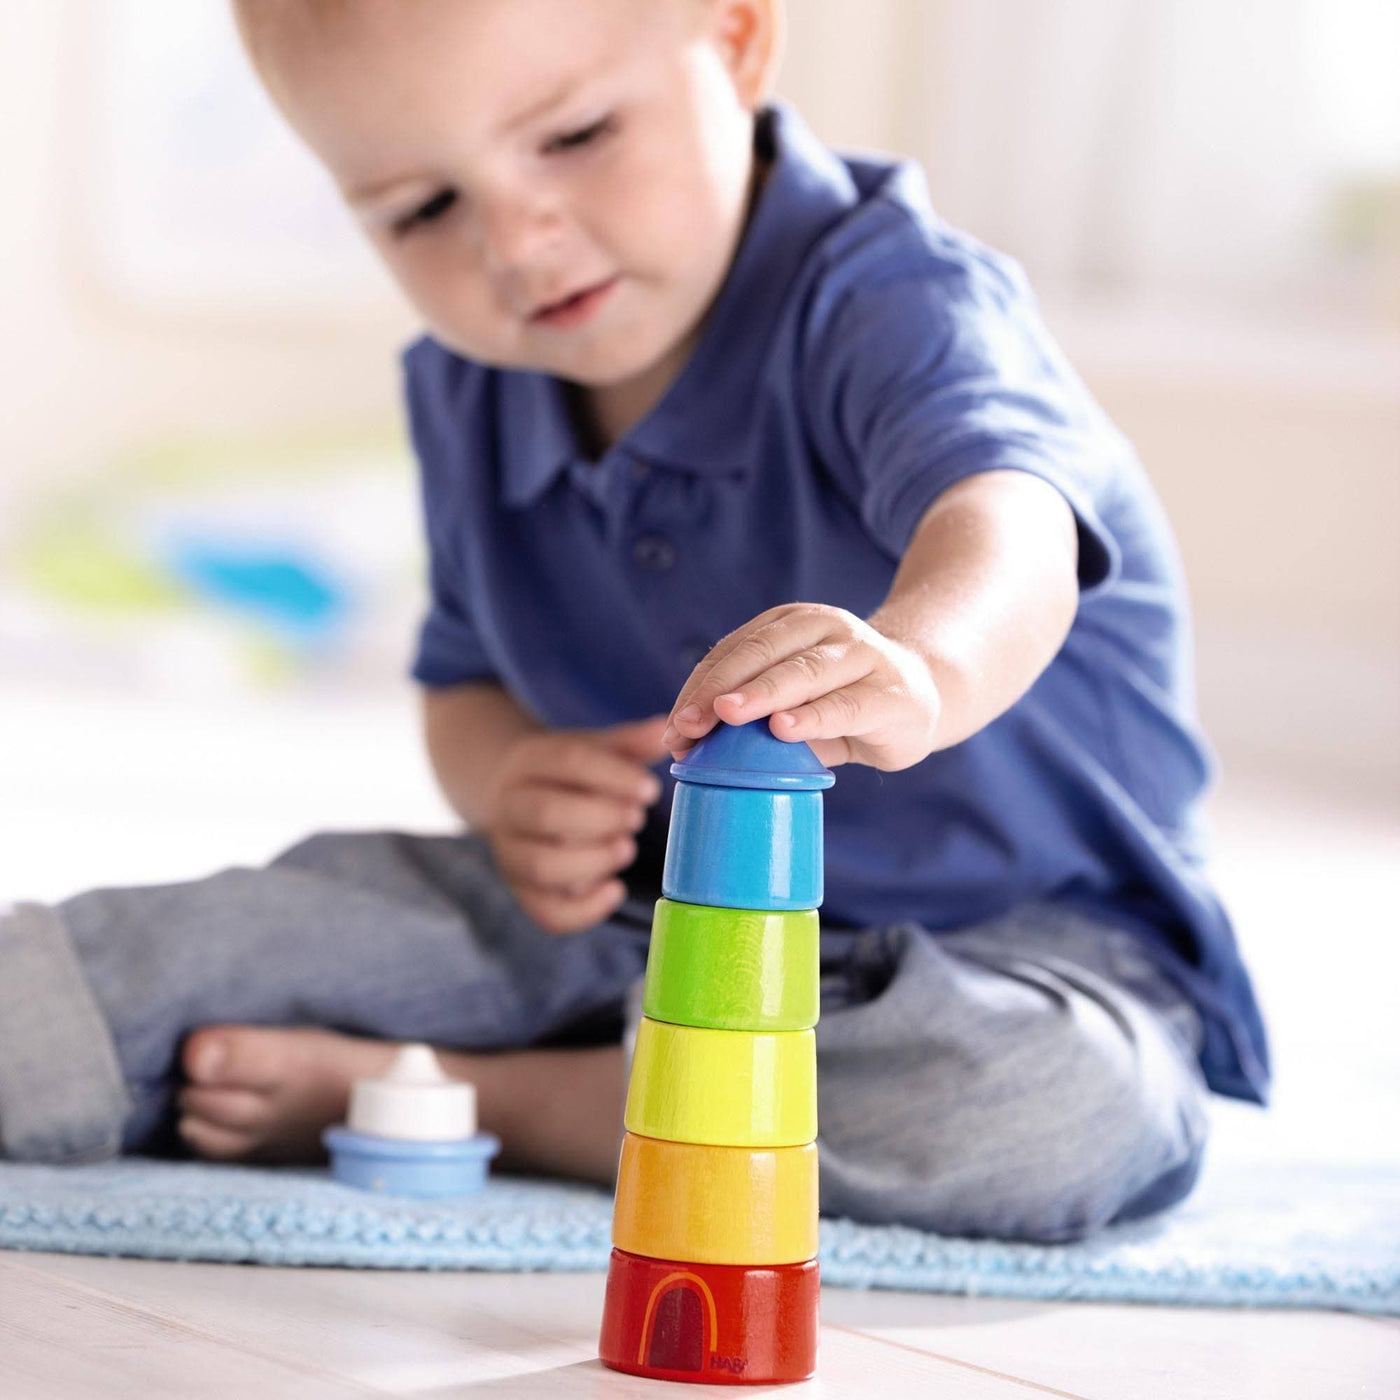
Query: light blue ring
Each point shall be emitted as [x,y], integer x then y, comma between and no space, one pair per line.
[398,1167]
[744,848]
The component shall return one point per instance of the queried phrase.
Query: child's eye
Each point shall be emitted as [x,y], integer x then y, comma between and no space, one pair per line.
[426,212]
[584,136]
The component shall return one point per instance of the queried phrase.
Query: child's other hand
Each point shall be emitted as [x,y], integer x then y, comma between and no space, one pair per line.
[823,675]
[565,807]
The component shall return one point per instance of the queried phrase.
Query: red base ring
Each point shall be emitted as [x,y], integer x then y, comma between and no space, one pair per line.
[734,1324]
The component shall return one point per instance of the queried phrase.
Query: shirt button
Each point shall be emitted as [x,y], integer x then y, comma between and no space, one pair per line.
[653,552]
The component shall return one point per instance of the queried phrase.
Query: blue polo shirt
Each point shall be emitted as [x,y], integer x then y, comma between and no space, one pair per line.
[861,357]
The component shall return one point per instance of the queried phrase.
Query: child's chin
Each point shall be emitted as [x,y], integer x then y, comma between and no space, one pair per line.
[607,371]
[630,357]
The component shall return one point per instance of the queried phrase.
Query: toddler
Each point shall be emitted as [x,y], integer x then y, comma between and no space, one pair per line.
[713,425]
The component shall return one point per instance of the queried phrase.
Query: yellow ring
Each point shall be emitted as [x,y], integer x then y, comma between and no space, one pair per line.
[728,1088]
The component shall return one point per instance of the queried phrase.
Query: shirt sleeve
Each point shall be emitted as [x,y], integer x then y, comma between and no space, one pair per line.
[450,649]
[939,369]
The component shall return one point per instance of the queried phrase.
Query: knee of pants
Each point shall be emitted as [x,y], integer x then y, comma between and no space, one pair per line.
[1047,1144]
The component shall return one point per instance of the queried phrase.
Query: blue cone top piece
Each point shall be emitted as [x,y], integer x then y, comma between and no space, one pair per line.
[748,756]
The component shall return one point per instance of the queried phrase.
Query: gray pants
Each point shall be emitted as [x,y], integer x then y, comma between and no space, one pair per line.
[1029,1078]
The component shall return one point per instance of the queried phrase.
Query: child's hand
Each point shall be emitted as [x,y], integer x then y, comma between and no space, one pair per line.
[564,809]
[823,675]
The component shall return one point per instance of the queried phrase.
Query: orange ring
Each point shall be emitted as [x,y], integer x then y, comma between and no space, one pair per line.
[716,1205]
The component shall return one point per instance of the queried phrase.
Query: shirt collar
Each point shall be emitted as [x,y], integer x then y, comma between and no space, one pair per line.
[705,421]
[535,438]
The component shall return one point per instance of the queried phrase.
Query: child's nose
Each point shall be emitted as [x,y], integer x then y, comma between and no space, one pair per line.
[517,236]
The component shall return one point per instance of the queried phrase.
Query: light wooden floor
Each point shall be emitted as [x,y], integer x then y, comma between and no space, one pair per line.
[73,1327]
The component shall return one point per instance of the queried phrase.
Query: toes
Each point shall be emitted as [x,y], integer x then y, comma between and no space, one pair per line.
[215,1142]
[264,1093]
[225,1108]
[251,1057]
[202,1054]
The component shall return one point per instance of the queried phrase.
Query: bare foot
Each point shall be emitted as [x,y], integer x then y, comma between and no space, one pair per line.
[260,1094]
[263,1094]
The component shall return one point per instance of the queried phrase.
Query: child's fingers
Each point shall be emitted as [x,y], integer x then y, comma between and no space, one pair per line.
[580,761]
[800,679]
[573,913]
[738,658]
[566,814]
[862,708]
[639,739]
[550,868]
[756,634]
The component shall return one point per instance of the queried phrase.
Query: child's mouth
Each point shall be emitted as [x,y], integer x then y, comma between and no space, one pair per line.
[574,310]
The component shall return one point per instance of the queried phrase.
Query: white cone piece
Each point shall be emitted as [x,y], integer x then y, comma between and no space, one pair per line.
[414,1100]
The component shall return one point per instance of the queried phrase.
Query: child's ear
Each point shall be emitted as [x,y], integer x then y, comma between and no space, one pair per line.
[750,36]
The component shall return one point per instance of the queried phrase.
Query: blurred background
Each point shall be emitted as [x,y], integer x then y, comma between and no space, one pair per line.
[209,564]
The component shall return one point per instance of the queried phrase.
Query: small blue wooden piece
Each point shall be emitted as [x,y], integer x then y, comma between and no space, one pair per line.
[746,824]
[399,1167]
[748,756]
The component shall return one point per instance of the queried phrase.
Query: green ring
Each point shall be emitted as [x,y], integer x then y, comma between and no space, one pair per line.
[733,969]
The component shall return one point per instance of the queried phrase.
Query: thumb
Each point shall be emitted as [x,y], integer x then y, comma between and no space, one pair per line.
[637,738]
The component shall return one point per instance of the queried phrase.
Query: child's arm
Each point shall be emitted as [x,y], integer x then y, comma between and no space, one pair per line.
[982,601]
[468,730]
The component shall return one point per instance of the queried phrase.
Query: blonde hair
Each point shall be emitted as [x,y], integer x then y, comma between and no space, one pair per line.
[259,20]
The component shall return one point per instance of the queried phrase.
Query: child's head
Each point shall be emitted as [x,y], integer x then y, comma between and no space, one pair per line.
[507,155]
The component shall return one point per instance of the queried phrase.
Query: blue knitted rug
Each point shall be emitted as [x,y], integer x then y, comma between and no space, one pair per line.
[1263,1235]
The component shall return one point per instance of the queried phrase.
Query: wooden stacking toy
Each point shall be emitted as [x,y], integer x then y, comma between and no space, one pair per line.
[713,1275]
[412,1132]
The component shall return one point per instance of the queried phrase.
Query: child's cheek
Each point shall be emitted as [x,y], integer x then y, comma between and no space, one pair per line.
[454,296]
[672,233]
